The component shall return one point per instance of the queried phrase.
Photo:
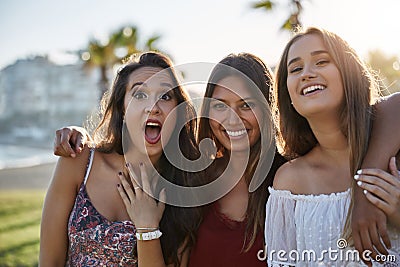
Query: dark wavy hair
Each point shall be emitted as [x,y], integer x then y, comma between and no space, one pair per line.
[178,224]
[258,77]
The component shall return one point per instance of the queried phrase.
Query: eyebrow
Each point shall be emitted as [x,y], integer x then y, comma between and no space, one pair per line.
[240,100]
[135,84]
[144,84]
[313,53]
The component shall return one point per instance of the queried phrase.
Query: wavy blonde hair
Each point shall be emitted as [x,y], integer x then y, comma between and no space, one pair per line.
[361,87]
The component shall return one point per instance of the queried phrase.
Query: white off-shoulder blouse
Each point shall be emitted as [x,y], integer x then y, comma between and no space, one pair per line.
[305,230]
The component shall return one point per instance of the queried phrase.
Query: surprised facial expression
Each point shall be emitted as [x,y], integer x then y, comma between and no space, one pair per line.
[149,110]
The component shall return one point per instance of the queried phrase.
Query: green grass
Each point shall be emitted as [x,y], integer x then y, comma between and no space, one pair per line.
[20,214]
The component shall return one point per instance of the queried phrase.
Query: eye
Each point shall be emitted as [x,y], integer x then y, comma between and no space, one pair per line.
[295,69]
[322,62]
[139,95]
[218,106]
[167,96]
[248,105]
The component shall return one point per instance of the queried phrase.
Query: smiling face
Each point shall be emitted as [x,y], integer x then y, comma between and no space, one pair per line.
[314,81]
[149,103]
[234,114]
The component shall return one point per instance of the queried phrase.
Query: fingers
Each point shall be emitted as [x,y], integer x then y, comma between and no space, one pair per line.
[357,241]
[62,146]
[358,245]
[145,179]
[393,167]
[382,230]
[367,243]
[135,179]
[126,186]
[148,185]
[376,176]
[124,196]
[383,189]
[78,139]
[383,205]
[376,241]
[65,142]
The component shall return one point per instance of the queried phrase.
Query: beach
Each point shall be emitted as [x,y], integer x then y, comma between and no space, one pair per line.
[34,177]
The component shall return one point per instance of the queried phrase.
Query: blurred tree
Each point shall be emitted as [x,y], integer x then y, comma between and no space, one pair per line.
[388,68]
[293,21]
[120,44]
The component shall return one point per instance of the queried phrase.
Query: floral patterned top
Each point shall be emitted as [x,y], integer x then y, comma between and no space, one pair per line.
[96,241]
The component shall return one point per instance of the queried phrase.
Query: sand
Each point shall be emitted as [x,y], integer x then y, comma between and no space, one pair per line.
[36,177]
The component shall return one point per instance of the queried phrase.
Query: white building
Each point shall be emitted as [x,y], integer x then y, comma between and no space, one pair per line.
[38,96]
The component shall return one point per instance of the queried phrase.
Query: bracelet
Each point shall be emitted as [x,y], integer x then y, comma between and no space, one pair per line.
[149,235]
[146,228]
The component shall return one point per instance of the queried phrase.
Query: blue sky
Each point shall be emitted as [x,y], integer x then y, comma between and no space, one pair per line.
[191,31]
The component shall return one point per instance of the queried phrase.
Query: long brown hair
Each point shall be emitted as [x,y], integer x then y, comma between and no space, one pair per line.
[178,224]
[245,66]
[295,137]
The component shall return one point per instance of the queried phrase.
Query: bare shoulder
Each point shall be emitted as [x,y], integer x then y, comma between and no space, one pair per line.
[73,169]
[287,176]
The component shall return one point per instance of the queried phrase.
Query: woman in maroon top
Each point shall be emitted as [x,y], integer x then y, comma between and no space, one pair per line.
[235,115]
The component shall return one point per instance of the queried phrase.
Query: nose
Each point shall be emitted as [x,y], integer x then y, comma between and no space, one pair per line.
[233,117]
[152,108]
[308,73]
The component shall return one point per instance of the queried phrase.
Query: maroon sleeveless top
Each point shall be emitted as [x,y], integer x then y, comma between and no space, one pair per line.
[220,242]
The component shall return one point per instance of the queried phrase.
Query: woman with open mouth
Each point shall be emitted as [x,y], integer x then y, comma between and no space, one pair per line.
[85,221]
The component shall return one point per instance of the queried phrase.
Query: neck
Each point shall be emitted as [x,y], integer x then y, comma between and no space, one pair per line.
[135,159]
[331,140]
[329,134]
[234,203]
[239,160]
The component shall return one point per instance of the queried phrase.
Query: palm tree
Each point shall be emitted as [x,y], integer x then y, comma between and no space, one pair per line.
[293,21]
[119,45]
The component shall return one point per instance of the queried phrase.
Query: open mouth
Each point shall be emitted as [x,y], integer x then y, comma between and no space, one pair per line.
[236,134]
[152,131]
[312,89]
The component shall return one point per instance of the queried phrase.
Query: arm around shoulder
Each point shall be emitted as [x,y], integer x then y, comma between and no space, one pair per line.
[60,198]
[385,137]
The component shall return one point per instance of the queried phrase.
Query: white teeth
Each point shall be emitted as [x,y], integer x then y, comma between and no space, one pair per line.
[236,133]
[313,88]
[152,124]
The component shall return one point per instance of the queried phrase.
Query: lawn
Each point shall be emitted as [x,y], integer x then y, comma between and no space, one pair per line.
[20,214]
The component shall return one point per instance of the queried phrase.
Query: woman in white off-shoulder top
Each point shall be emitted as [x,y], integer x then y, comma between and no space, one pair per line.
[324,95]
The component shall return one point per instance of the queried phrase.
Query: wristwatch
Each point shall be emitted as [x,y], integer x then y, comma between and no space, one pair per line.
[149,235]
